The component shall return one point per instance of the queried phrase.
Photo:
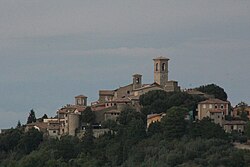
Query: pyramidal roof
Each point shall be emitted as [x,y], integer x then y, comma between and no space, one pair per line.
[161,58]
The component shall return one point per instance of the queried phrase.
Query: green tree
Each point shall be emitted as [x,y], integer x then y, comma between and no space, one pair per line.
[159,101]
[44,116]
[248,129]
[154,128]
[88,140]
[32,117]
[18,124]
[174,125]
[128,114]
[88,116]
[207,129]
[30,141]
[215,90]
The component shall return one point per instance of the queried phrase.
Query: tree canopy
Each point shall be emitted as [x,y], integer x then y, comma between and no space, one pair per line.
[32,117]
[215,90]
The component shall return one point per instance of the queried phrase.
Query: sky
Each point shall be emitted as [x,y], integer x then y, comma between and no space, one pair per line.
[54,50]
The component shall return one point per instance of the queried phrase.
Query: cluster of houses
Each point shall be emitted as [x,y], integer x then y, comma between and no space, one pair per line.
[111,102]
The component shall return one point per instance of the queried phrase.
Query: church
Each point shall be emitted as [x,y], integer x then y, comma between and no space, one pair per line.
[111,102]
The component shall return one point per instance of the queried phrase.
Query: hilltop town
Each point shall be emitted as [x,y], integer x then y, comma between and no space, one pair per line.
[138,124]
[111,103]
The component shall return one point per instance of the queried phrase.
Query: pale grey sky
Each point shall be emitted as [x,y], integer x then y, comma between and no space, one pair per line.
[52,50]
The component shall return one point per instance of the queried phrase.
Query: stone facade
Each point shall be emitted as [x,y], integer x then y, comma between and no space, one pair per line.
[212,108]
[161,70]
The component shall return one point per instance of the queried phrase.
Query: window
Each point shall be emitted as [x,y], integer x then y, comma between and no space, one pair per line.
[128,92]
[215,106]
[204,105]
[163,67]
[137,80]
[210,106]
[156,67]
[54,131]
[221,106]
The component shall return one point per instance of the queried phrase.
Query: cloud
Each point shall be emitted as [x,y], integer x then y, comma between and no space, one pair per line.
[48,18]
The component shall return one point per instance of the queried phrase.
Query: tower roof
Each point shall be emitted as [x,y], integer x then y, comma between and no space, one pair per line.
[161,58]
[137,74]
[80,96]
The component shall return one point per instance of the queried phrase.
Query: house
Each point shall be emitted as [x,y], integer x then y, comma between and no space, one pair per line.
[234,125]
[151,118]
[215,109]
[238,110]
[69,116]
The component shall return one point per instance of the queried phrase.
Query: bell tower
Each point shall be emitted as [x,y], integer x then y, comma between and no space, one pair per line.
[161,70]
[81,100]
[137,81]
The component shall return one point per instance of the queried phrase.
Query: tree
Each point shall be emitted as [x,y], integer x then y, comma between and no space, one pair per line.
[32,117]
[159,101]
[248,129]
[241,110]
[30,141]
[207,129]
[88,116]
[213,89]
[174,125]
[44,116]
[88,140]
[127,114]
[18,124]
[154,128]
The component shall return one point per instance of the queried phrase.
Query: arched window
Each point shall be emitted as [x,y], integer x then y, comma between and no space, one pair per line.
[163,67]
[156,67]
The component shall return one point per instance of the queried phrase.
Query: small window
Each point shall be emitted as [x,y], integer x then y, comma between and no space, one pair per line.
[221,106]
[156,67]
[54,131]
[210,106]
[163,67]
[204,106]
[128,92]
[215,106]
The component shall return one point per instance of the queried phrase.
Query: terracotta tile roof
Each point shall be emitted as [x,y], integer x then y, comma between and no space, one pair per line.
[79,96]
[150,116]
[214,101]
[71,108]
[235,122]
[119,100]
[106,92]
[161,58]
[41,125]
[137,75]
[194,92]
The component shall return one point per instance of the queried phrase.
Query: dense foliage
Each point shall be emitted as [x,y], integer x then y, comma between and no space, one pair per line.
[214,90]
[160,101]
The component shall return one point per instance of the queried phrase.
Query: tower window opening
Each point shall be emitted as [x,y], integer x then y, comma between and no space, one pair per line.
[163,66]
[156,67]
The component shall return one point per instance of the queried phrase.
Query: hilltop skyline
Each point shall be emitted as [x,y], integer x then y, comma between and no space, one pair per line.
[53,51]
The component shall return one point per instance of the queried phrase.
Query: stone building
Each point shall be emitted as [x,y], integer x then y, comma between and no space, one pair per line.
[69,116]
[215,109]
[111,102]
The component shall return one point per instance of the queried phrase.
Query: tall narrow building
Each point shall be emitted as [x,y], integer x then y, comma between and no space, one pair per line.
[161,71]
